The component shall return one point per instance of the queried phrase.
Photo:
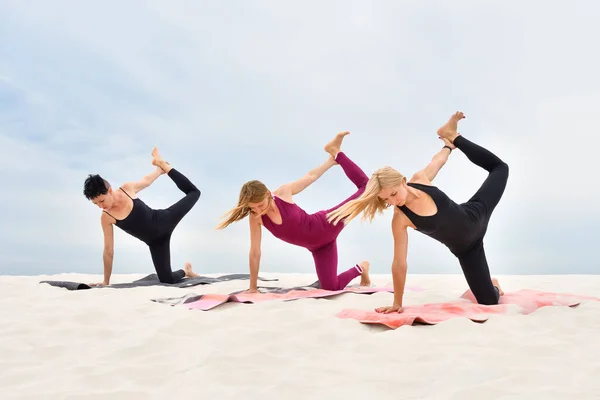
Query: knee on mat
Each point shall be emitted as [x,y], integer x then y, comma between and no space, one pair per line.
[167,278]
[329,286]
[488,300]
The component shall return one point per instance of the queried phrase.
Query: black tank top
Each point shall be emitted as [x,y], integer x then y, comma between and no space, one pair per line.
[454,225]
[140,223]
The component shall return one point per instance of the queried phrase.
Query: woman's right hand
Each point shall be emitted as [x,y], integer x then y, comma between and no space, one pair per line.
[98,284]
[389,309]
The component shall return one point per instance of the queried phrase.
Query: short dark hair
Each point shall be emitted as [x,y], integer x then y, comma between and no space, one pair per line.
[94,186]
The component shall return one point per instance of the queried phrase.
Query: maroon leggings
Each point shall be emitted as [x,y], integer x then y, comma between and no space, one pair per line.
[326,257]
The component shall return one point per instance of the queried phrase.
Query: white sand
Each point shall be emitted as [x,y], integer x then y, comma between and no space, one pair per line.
[117,344]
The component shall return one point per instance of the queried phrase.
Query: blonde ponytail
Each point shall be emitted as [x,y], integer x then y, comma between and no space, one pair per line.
[251,192]
[369,203]
[235,214]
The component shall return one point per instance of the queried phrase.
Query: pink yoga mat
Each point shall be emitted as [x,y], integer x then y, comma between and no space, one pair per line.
[465,307]
[209,301]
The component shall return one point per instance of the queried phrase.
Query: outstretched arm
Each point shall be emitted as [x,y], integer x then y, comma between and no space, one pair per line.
[437,162]
[288,190]
[255,252]
[144,182]
[399,265]
[108,251]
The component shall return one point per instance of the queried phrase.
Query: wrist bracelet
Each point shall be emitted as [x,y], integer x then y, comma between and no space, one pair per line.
[447,147]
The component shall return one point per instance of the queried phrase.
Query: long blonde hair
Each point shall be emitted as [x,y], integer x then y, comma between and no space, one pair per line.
[369,203]
[251,192]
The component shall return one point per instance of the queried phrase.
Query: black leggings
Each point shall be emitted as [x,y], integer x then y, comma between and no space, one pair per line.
[167,220]
[474,263]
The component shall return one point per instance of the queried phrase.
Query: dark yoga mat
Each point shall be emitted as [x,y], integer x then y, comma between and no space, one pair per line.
[152,280]
[282,290]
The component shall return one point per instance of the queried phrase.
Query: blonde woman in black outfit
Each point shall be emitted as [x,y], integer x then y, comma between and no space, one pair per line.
[424,207]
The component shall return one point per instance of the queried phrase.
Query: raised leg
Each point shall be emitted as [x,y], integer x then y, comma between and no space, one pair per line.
[352,171]
[492,189]
[326,260]
[161,257]
[177,211]
[172,216]
[355,174]
[477,273]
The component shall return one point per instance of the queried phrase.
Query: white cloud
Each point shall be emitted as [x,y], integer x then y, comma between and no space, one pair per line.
[253,91]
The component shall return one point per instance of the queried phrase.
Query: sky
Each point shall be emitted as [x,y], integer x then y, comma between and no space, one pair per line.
[240,90]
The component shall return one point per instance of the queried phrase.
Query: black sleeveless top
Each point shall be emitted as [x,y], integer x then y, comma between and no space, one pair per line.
[140,223]
[455,225]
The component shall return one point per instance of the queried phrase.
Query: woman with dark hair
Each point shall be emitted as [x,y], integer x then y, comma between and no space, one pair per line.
[154,227]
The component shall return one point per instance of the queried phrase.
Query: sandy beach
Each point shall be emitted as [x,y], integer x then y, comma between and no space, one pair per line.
[118,344]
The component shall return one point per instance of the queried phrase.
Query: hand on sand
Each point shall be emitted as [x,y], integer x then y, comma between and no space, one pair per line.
[389,309]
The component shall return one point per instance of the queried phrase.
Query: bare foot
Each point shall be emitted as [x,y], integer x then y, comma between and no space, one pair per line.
[365,280]
[188,271]
[495,282]
[335,145]
[449,129]
[158,161]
